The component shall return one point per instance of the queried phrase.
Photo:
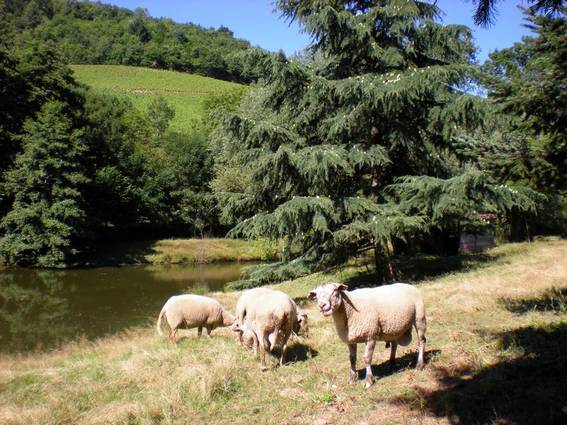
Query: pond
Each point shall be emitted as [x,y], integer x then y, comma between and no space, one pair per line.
[41,309]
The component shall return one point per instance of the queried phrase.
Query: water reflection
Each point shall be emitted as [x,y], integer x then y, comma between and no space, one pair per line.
[42,309]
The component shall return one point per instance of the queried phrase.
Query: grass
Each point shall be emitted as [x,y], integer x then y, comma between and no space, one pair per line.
[496,353]
[176,251]
[184,92]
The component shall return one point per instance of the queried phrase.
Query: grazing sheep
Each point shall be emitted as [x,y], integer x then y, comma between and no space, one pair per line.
[386,313]
[301,326]
[193,311]
[249,296]
[245,335]
[271,315]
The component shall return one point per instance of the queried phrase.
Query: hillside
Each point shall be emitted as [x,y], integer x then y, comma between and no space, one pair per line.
[96,33]
[184,92]
[496,353]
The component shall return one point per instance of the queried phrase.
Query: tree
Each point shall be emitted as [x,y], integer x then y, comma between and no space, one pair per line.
[160,115]
[354,148]
[29,77]
[47,216]
[525,142]
[139,29]
[485,9]
[527,82]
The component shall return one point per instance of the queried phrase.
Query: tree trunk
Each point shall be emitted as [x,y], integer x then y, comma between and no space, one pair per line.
[383,266]
[519,230]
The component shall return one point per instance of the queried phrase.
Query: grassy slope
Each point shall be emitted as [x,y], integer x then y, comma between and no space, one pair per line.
[184,92]
[496,353]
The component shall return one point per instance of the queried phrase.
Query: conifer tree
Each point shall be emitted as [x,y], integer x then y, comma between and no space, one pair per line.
[47,216]
[353,148]
[527,83]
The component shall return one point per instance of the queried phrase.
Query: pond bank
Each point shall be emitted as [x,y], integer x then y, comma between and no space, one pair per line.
[496,353]
[178,251]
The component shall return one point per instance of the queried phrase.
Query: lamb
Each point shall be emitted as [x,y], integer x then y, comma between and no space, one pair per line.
[386,313]
[271,316]
[193,311]
[245,335]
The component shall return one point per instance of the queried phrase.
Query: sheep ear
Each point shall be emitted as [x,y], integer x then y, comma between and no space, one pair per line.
[341,287]
[312,295]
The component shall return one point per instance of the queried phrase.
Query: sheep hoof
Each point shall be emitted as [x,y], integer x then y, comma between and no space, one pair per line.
[368,383]
[263,368]
[420,366]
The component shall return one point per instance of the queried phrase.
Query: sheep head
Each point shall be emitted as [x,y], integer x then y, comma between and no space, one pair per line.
[243,334]
[329,297]
[301,325]
[227,318]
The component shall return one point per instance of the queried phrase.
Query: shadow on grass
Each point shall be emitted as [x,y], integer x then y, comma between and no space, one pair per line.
[299,352]
[552,300]
[302,301]
[531,388]
[407,361]
[123,253]
[422,267]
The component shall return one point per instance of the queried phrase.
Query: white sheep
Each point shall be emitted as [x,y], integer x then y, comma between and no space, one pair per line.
[193,311]
[385,313]
[249,296]
[245,335]
[271,315]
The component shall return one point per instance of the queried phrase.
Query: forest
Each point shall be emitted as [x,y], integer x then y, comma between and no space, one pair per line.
[97,33]
[389,139]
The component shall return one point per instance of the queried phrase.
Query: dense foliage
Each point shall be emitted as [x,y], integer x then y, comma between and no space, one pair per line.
[45,181]
[371,141]
[79,168]
[523,141]
[357,148]
[95,33]
[528,84]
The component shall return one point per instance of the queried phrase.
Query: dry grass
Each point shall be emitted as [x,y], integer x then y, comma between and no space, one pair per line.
[496,354]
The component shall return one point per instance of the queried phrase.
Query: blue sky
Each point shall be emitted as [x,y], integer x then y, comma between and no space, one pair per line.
[255,21]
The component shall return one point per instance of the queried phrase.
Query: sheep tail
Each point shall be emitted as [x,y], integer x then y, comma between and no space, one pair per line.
[158,326]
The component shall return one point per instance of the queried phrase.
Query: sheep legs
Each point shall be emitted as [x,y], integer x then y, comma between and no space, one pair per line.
[421,349]
[352,357]
[393,346]
[284,347]
[368,353]
[262,346]
[172,333]
[420,329]
[199,331]
[209,329]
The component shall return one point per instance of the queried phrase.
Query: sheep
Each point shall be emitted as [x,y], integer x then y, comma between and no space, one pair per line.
[386,313]
[193,311]
[271,315]
[245,335]
[300,326]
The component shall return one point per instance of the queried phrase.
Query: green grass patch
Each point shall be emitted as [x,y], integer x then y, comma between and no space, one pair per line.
[184,92]
[177,251]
